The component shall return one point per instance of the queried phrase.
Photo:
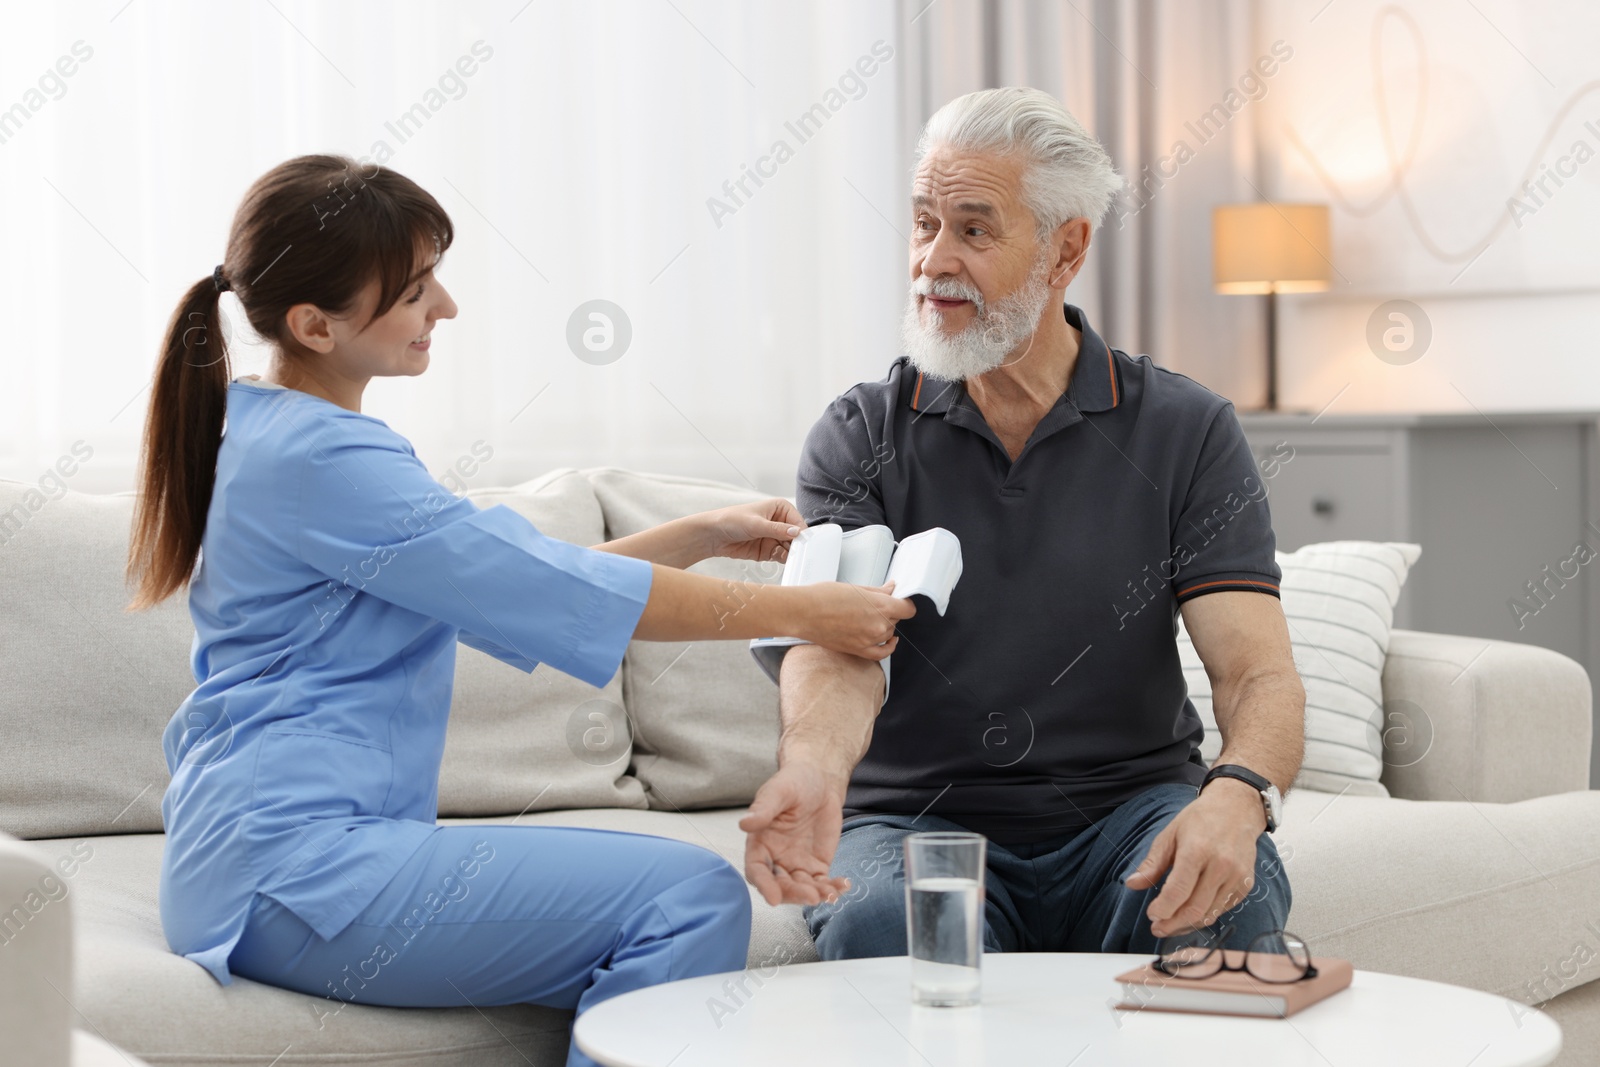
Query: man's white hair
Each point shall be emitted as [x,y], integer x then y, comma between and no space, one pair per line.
[1066,173]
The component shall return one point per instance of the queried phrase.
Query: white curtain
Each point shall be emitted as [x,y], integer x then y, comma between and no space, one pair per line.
[577,160]
[598,150]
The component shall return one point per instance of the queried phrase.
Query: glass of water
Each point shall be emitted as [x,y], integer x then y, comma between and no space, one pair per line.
[944,916]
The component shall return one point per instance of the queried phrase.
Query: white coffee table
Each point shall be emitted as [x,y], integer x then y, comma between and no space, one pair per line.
[1045,1009]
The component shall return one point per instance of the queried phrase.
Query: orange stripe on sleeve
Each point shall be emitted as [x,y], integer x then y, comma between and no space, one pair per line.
[1227,581]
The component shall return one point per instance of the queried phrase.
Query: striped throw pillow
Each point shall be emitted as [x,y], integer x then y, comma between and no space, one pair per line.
[1339,599]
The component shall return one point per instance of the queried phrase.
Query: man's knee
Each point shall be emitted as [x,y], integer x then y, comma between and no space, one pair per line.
[869,919]
[1265,906]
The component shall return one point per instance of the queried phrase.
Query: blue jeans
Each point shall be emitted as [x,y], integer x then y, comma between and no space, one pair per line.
[1058,896]
[487,915]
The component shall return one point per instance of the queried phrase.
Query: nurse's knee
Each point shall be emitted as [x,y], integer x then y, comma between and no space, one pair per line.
[669,861]
[725,889]
[689,872]
[708,917]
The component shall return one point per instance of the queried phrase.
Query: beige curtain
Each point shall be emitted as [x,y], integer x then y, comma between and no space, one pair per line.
[1144,76]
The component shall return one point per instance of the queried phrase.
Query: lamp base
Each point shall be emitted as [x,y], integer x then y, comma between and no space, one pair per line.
[1272,350]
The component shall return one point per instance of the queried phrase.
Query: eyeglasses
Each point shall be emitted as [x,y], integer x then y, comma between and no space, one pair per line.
[1275,956]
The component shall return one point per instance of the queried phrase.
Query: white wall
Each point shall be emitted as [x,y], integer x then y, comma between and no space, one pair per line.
[1476,99]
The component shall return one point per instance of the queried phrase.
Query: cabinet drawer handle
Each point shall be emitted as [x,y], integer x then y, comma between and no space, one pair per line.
[1322,507]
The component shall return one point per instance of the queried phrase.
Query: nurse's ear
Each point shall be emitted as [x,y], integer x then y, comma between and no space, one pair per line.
[311,327]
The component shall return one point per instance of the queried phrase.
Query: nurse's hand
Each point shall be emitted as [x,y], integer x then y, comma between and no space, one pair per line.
[857,619]
[760,530]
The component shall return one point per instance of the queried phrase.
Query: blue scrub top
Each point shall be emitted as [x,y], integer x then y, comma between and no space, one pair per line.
[335,577]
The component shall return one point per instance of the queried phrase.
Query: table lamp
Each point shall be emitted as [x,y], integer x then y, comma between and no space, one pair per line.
[1270,248]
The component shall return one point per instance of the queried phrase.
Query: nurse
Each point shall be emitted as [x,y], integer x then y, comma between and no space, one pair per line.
[334,578]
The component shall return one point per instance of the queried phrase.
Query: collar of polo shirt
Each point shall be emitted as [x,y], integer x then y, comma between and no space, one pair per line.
[1094,377]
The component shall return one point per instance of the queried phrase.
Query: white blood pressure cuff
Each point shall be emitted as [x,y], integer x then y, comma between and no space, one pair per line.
[928,563]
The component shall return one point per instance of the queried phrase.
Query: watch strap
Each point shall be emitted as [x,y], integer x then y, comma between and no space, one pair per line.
[1233,770]
[1249,777]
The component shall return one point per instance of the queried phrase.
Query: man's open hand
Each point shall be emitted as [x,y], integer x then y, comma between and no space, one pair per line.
[793,831]
[1211,848]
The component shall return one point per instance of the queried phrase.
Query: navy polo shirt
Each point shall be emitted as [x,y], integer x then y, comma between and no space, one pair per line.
[1050,692]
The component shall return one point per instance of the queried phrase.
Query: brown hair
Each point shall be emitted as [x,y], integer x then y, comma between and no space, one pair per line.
[313,230]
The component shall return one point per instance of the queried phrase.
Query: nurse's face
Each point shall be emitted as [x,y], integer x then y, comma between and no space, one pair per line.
[395,343]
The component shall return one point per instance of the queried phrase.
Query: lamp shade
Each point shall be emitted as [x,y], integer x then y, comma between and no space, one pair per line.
[1270,248]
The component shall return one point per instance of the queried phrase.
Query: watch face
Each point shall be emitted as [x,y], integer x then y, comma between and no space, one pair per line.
[1274,803]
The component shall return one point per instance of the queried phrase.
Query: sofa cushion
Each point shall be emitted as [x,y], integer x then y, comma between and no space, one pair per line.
[85,687]
[139,995]
[1378,881]
[1577,1012]
[1498,897]
[90,1051]
[519,742]
[1338,598]
[133,991]
[85,684]
[704,716]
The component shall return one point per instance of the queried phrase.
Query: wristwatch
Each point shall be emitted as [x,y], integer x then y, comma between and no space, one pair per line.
[1271,799]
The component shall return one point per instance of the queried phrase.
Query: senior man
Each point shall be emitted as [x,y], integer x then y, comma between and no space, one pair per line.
[1095,495]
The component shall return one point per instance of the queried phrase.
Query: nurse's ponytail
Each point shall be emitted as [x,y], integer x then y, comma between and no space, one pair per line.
[182,433]
[313,230]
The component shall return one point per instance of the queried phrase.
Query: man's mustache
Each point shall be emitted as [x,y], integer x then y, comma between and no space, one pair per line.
[950,289]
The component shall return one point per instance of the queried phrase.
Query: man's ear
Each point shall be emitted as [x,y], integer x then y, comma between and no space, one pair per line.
[1071,241]
[309,326]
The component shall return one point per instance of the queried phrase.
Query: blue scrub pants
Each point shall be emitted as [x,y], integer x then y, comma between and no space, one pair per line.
[489,915]
[1056,896]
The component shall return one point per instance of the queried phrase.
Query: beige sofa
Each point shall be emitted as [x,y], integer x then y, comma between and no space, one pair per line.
[1482,869]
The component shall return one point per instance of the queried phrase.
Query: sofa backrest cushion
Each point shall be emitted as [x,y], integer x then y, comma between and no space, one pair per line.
[704,716]
[1339,599]
[86,688]
[518,742]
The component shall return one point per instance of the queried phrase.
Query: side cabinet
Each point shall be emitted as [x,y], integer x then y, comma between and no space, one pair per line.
[1506,507]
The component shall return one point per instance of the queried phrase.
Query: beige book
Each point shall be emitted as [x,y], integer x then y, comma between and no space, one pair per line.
[1231,992]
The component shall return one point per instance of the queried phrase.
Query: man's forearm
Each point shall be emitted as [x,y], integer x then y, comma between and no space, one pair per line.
[828,701]
[1262,720]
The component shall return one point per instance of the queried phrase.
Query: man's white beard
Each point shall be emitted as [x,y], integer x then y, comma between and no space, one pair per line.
[984,343]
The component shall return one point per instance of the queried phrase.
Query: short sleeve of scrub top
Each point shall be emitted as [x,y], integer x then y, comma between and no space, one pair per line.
[370,516]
